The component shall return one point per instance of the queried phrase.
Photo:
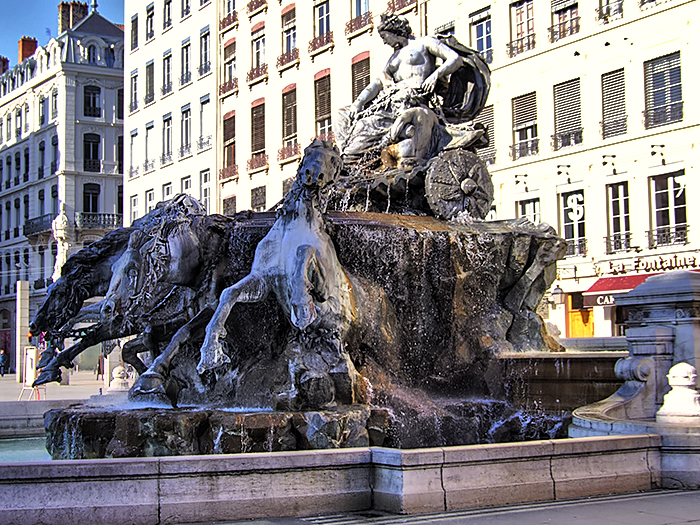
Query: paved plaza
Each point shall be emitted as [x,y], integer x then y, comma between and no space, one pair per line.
[82,385]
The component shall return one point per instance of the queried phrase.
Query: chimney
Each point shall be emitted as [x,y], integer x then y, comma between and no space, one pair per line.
[4,64]
[26,48]
[70,15]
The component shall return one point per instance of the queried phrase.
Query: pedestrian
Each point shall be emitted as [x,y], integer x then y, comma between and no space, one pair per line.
[4,362]
[100,370]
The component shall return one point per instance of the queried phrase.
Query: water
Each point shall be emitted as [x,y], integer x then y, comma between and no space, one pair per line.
[23,450]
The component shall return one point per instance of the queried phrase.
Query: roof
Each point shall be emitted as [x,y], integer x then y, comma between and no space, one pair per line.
[96,24]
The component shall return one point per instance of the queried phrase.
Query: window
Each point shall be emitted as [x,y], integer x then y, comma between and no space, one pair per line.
[133,166]
[258,199]
[522,27]
[614,111]
[289,118]
[530,209]
[167,74]
[230,6]
[54,199]
[42,113]
[42,204]
[669,220]
[91,197]
[289,31]
[565,20]
[258,130]
[18,123]
[8,122]
[567,114]
[150,200]
[322,91]
[2,137]
[25,175]
[230,62]
[662,86]
[205,189]
[167,14]
[360,7]
[186,131]
[133,106]
[230,141]
[26,117]
[481,34]
[167,140]
[258,48]
[323,18]
[134,32]
[185,185]
[185,8]
[18,166]
[25,200]
[91,152]
[91,101]
[609,10]
[186,74]
[167,191]
[360,77]
[54,104]
[204,62]
[120,200]
[525,141]
[148,163]
[134,211]
[120,154]
[120,104]
[150,84]
[574,223]
[204,119]
[619,237]
[150,33]
[54,153]
[229,205]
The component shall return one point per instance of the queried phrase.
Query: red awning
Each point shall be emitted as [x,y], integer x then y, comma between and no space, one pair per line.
[617,284]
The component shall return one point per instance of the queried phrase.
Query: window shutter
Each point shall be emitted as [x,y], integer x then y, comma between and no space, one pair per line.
[360,77]
[486,118]
[567,106]
[229,51]
[229,129]
[258,128]
[322,88]
[289,116]
[614,110]
[662,80]
[524,111]
[257,197]
[289,17]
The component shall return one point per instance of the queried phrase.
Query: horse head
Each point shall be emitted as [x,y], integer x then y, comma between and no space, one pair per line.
[62,303]
[126,280]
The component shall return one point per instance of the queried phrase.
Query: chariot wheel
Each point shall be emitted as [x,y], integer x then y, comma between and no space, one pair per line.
[458,181]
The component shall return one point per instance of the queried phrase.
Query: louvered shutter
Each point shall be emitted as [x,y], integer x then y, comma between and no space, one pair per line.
[289,17]
[488,154]
[360,77]
[614,110]
[258,129]
[567,106]
[229,51]
[258,197]
[558,5]
[322,88]
[662,86]
[524,111]
[229,129]
[289,114]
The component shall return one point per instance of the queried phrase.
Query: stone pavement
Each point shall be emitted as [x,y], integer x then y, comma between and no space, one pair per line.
[650,508]
[83,384]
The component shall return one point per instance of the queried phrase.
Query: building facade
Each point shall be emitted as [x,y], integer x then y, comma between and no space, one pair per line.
[61,159]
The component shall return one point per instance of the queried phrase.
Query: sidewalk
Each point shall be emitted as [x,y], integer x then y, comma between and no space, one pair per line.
[82,385]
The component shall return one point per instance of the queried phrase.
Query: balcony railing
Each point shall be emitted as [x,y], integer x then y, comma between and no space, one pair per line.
[166,88]
[564,139]
[25,177]
[150,97]
[92,165]
[357,23]
[229,85]
[92,111]
[228,172]
[18,132]
[287,58]
[204,68]
[38,224]
[98,221]
[610,12]
[133,105]
[15,232]
[290,150]
[133,171]
[612,128]
[255,5]
[167,23]
[256,73]
[150,34]
[525,148]
[186,78]
[564,29]
[321,41]
[185,11]
[54,113]
[17,180]
[185,150]
[228,20]
[258,161]
[397,5]
[668,236]
[662,115]
[520,45]
[40,172]
[166,158]
[576,247]
[149,165]
[54,166]
[330,137]
[618,242]
[203,143]
[487,55]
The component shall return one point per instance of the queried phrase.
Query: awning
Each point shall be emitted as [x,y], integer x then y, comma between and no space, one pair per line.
[602,291]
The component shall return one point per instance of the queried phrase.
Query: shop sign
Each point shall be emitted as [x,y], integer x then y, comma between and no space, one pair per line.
[661,263]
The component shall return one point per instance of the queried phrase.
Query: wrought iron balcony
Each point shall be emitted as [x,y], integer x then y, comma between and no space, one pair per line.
[167,23]
[576,247]
[662,115]
[98,221]
[150,34]
[255,5]
[166,88]
[259,160]
[92,111]
[398,5]
[204,68]
[564,29]
[228,172]
[321,41]
[133,105]
[133,171]
[256,73]
[668,236]
[613,127]
[610,12]
[18,132]
[186,78]
[288,151]
[91,165]
[330,137]
[149,165]
[618,242]
[564,139]
[487,55]
[150,97]
[228,20]
[38,224]
[520,45]
[357,23]
[166,158]
[203,143]
[525,148]
[287,58]
[229,85]
[186,10]
[185,150]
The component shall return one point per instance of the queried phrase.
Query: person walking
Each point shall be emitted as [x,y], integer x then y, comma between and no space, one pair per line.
[4,362]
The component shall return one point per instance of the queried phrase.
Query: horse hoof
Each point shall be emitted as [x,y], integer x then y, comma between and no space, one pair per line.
[210,362]
[45,359]
[47,375]
[150,389]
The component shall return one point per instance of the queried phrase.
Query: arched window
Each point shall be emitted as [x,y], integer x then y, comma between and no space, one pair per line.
[92,54]
[91,197]
[91,152]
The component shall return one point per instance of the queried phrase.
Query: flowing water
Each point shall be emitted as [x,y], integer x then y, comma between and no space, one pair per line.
[23,450]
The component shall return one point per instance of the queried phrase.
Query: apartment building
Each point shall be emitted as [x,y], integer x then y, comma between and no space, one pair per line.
[60,153]
[171,84]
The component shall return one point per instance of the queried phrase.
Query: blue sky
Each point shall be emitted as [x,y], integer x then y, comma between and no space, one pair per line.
[33,17]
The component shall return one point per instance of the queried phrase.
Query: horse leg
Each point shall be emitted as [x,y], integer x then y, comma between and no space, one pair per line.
[250,289]
[130,354]
[306,268]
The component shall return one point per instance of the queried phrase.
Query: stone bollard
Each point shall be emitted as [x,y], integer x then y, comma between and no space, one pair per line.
[682,404]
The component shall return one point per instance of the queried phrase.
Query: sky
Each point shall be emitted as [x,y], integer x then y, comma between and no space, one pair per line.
[34,17]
